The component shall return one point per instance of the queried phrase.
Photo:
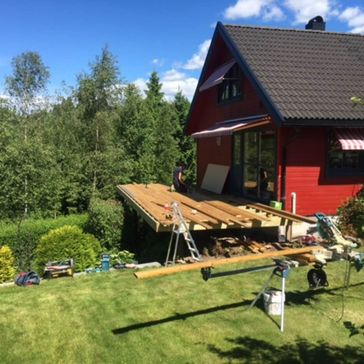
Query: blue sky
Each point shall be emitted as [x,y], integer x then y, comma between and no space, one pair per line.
[170,37]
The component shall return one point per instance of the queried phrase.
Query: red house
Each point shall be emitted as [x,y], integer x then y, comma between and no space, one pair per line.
[275,106]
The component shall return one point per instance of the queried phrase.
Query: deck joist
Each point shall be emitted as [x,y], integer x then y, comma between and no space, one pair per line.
[202,211]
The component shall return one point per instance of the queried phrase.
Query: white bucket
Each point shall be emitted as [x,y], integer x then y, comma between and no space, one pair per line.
[273,302]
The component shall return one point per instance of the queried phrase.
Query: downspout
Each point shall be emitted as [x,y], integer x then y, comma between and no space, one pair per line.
[283,180]
[284,166]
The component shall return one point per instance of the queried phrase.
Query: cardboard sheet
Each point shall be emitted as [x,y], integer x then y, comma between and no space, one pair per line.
[215,177]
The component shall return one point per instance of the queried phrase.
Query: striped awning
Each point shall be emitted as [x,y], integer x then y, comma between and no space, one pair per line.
[350,138]
[231,126]
[217,76]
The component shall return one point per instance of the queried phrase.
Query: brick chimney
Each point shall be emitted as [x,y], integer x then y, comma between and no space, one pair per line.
[316,23]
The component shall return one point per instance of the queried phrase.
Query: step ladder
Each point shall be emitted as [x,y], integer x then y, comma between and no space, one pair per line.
[180,227]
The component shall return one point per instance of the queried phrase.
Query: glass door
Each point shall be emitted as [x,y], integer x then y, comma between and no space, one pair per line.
[259,159]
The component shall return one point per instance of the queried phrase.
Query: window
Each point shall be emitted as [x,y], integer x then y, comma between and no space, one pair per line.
[230,88]
[343,162]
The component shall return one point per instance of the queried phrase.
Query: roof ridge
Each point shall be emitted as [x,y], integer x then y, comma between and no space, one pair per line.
[308,31]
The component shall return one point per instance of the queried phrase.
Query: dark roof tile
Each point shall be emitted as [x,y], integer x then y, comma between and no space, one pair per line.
[307,74]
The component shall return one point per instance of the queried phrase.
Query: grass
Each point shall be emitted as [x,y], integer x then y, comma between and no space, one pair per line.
[114,318]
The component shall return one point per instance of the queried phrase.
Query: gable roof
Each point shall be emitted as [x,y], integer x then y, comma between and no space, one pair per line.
[307,75]
[303,77]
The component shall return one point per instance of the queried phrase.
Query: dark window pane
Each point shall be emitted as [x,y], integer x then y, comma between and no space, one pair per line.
[230,88]
[343,162]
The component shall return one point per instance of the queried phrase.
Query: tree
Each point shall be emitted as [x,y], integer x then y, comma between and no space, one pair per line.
[164,127]
[136,136]
[186,145]
[97,94]
[29,79]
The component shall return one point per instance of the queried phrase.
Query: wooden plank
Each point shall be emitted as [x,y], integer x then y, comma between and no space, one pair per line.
[210,210]
[282,213]
[215,177]
[211,216]
[235,211]
[151,220]
[215,263]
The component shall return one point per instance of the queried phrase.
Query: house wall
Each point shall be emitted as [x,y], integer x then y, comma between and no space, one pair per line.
[305,173]
[207,112]
[208,151]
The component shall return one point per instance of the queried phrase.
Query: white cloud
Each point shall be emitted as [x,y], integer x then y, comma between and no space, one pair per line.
[141,83]
[354,16]
[197,60]
[172,81]
[273,13]
[158,62]
[246,9]
[304,10]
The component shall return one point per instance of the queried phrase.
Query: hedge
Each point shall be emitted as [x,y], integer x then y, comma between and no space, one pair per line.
[23,238]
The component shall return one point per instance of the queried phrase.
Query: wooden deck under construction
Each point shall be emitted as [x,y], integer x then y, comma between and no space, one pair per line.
[202,211]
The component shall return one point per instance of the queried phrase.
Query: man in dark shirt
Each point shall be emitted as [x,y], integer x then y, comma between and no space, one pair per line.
[178,183]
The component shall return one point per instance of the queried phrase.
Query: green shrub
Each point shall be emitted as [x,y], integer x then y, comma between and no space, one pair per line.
[23,237]
[106,222]
[7,270]
[68,242]
[122,256]
[351,216]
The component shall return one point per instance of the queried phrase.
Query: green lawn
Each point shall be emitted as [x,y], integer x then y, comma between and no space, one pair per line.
[115,318]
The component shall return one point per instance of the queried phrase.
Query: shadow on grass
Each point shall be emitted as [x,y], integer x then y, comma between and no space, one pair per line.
[177,317]
[304,297]
[353,329]
[250,350]
[292,298]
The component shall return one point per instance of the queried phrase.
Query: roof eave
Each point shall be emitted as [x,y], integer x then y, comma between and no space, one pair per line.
[347,123]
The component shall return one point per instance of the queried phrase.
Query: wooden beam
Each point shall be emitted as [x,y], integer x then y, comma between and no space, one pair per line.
[281,213]
[214,263]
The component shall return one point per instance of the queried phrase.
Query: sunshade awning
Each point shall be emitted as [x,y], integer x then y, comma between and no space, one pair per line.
[231,126]
[350,138]
[217,76]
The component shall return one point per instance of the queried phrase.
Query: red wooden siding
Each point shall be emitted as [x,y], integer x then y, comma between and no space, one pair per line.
[209,152]
[206,110]
[305,173]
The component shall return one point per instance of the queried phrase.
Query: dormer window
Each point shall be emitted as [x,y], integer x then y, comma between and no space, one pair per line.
[230,88]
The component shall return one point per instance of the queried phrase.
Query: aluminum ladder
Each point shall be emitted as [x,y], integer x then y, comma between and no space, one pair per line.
[180,227]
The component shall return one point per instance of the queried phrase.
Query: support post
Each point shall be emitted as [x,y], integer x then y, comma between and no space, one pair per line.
[282,300]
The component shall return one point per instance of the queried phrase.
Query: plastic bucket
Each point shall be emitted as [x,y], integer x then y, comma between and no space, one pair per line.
[273,302]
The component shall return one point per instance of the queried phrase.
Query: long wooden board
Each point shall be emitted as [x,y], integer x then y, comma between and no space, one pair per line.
[215,263]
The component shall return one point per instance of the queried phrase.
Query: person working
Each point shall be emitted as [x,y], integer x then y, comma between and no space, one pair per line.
[263,175]
[178,183]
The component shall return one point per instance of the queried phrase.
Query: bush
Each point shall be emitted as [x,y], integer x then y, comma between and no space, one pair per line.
[123,256]
[106,222]
[351,216]
[7,270]
[68,242]
[23,237]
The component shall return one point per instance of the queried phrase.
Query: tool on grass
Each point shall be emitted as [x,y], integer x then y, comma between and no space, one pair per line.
[180,227]
[280,269]
[329,231]
[59,268]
